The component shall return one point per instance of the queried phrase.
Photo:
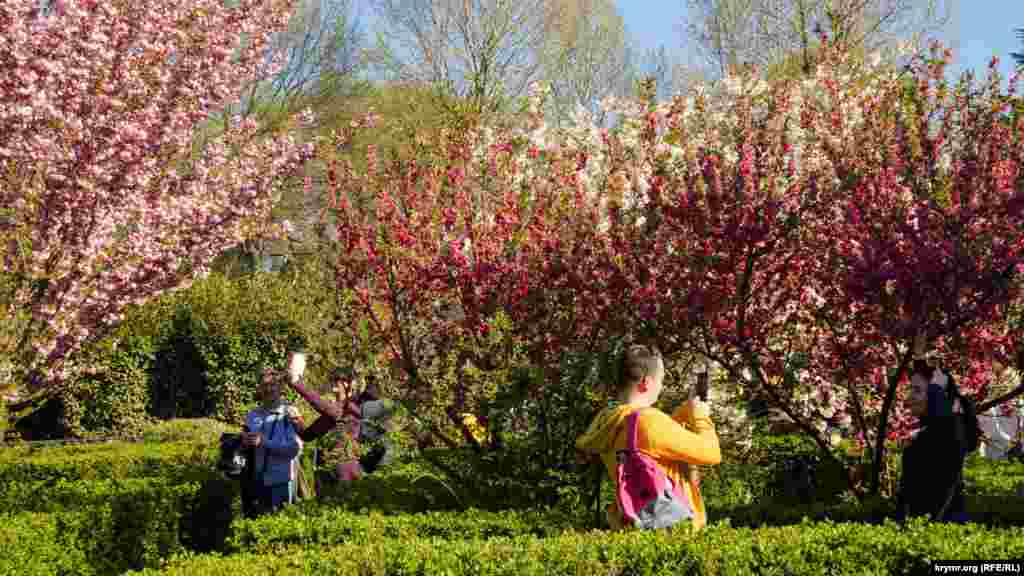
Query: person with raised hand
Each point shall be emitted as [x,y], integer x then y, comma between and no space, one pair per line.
[674,443]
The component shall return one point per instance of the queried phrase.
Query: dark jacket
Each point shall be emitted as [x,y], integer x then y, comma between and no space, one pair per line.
[932,480]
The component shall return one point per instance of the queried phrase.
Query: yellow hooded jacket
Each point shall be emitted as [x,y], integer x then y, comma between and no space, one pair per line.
[673,442]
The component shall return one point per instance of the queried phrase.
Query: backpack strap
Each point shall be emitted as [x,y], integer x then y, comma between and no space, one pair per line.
[632,424]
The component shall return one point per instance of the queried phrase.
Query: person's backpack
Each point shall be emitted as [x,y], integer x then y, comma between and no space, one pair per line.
[646,496]
[233,457]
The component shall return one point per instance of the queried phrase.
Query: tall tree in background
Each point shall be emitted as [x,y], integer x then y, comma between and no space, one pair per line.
[477,50]
[320,49]
[731,33]
[586,57]
[656,64]
[322,59]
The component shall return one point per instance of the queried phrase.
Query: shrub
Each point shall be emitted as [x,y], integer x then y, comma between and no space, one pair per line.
[29,464]
[36,545]
[992,477]
[195,431]
[111,393]
[117,525]
[810,548]
[115,528]
[196,352]
[400,487]
[311,525]
[213,337]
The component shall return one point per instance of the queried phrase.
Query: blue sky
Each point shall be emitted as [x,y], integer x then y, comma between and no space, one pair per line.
[977,29]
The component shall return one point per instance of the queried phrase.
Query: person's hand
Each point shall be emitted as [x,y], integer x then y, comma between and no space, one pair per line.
[252,439]
[698,406]
[295,417]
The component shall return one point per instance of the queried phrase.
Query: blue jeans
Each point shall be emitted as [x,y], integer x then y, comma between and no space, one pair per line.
[261,499]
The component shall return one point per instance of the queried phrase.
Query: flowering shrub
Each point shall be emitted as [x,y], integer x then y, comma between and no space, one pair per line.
[800,233]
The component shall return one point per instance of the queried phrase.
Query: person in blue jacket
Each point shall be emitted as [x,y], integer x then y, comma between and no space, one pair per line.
[272,435]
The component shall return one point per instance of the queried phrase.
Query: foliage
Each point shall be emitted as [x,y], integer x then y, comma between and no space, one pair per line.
[108,198]
[36,545]
[320,526]
[142,513]
[811,548]
[196,353]
[194,431]
[111,395]
[993,477]
[27,464]
[707,227]
[116,528]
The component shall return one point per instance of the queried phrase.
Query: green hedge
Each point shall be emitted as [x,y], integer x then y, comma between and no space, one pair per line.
[992,477]
[119,506]
[70,495]
[113,395]
[37,545]
[116,525]
[25,464]
[811,549]
[130,532]
[321,526]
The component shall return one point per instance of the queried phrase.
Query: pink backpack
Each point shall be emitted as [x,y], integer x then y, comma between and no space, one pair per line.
[647,498]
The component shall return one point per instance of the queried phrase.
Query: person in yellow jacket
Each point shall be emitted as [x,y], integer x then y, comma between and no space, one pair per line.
[675,442]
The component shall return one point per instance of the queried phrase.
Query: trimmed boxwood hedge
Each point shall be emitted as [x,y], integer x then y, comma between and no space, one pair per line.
[810,548]
[36,545]
[310,526]
[103,461]
[104,509]
[118,526]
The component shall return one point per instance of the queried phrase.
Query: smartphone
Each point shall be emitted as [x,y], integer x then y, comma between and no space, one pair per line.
[702,386]
[297,366]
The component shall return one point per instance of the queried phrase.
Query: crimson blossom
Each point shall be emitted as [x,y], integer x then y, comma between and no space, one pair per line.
[925,246]
[115,182]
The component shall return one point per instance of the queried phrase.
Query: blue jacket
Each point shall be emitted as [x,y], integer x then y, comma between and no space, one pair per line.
[281,444]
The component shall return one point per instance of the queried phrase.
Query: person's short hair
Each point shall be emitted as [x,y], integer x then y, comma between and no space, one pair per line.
[639,361]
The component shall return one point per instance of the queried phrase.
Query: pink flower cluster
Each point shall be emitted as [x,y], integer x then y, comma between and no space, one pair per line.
[121,181]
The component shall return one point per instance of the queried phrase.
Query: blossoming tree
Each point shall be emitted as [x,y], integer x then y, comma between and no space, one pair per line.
[758,225]
[114,187]
[925,248]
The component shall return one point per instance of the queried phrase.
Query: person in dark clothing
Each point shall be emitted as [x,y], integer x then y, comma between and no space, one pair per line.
[361,419]
[931,483]
[375,414]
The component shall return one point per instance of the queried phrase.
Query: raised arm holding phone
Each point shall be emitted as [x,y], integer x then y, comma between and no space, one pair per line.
[330,413]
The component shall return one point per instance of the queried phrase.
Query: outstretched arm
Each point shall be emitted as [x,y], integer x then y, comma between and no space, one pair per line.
[322,407]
